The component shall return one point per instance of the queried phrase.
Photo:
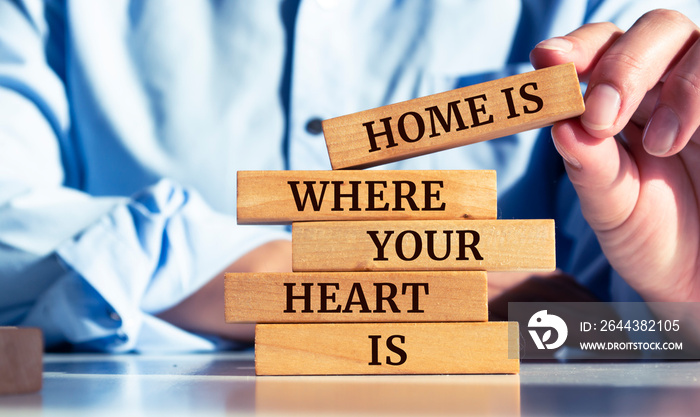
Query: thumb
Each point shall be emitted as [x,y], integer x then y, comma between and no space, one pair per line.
[603,173]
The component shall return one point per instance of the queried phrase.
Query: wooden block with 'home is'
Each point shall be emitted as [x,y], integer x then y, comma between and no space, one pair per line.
[21,352]
[287,196]
[387,348]
[356,297]
[454,118]
[424,245]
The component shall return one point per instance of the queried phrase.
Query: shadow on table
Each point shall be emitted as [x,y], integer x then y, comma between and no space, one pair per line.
[134,364]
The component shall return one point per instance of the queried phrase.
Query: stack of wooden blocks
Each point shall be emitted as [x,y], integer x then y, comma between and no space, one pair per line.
[390,266]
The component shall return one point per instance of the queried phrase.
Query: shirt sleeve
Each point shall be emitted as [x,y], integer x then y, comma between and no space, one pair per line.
[140,258]
[92,271]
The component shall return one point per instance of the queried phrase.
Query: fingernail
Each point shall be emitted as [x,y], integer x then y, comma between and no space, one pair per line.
[661,131]
[602,107]
[573,162]
[556,44]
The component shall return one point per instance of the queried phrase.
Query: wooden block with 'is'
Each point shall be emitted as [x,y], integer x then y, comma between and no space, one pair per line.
[403,245]
[287,196]
[21,367]
[387,348]
[454,118]
[310,297]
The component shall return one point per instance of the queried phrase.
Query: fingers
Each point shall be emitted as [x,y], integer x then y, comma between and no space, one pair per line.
[633,65]
[621,68]
[583,47]
[677,114]
[602,172]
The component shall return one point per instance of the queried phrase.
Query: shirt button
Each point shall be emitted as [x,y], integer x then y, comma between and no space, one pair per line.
[313,126]
[114,316]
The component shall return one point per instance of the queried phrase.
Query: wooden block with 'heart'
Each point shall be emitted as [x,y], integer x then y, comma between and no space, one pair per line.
[314,297]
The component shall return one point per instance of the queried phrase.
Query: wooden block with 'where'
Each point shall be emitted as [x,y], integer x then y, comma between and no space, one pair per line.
[454,118]
[287,196]
[21,366]
[298,297]
[404,245]
[387,348]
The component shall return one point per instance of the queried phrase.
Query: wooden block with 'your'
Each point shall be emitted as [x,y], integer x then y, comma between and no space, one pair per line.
[21,367]
[454,118]
[287,196]
[424,245]
[387,348]
[298,297]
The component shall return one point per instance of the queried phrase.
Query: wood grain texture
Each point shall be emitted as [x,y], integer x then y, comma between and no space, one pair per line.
[278,197]
[484,111]
[386,348]
[21,351]
[356,297]
[403,245]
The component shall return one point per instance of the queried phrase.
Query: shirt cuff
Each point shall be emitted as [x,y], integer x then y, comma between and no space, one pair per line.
[139,259]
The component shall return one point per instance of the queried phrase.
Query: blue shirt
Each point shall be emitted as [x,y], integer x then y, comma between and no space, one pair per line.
[122,126]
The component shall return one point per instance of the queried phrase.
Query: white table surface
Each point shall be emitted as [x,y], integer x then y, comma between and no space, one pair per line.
[225,384]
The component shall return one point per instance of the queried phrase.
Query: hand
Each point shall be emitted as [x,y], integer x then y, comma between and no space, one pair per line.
[640,193]
[203,311]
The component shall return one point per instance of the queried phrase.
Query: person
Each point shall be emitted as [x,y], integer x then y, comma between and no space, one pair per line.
[122,125]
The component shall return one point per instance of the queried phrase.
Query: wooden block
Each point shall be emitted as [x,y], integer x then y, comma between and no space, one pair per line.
[424,245]
[449,395]
[386,348]
[21,367]
[310,297]
[286,196]
[454,118]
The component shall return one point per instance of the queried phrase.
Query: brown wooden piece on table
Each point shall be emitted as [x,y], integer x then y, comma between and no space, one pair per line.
[21,367]
[403,245]
[310,297]
[278,197]
[387,348]
[454,118]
